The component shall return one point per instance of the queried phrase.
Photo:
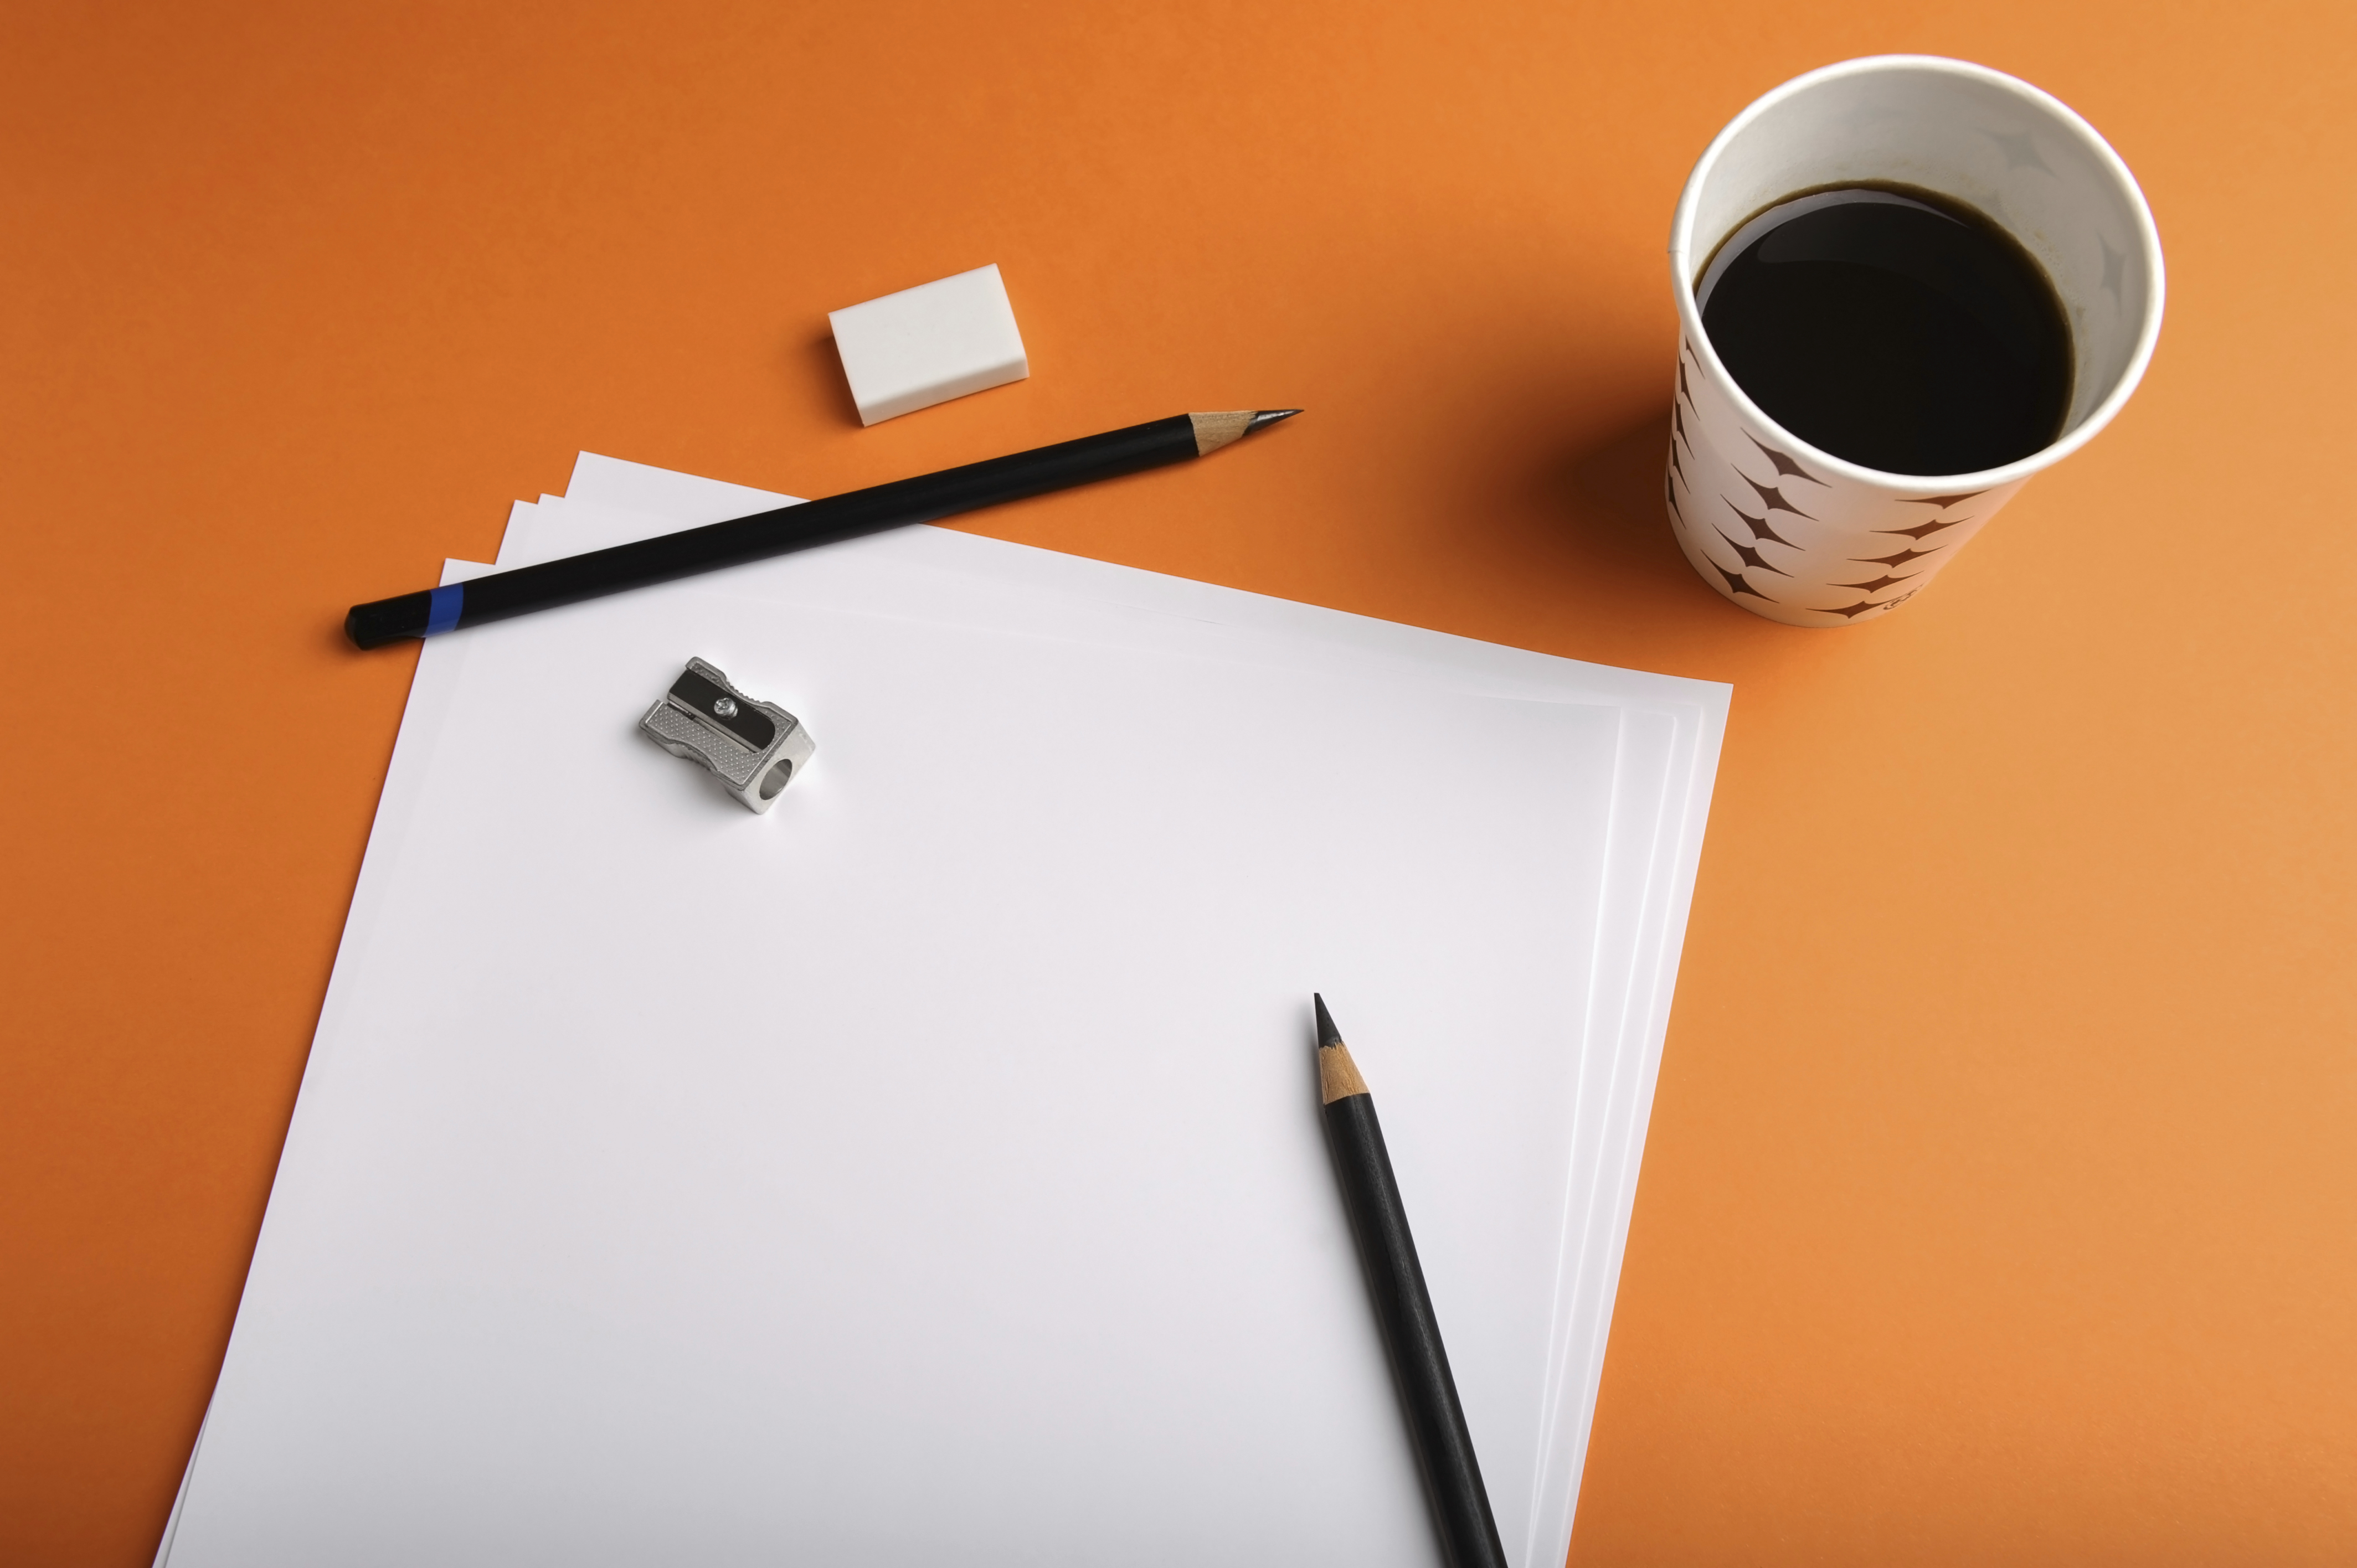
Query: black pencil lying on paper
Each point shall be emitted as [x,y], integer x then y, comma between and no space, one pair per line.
[1436,1421]
[499,594]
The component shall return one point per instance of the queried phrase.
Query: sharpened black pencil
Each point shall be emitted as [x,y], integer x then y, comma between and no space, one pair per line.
[499,594]
[1435,1419]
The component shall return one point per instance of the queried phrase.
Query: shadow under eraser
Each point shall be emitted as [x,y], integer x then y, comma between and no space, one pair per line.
[929,344]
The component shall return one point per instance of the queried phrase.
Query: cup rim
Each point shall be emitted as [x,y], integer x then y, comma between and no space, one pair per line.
[2147,236]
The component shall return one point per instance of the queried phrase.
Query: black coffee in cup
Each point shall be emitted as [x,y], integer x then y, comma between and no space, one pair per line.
[1893,327]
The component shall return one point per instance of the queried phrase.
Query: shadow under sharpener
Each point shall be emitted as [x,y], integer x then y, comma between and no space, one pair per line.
[754,749]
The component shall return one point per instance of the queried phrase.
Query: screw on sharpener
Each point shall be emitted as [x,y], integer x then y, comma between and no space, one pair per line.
[755,748]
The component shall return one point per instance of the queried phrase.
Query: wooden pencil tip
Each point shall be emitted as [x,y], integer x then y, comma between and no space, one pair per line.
[1327,1035]
[1338,1075]
[1213,430]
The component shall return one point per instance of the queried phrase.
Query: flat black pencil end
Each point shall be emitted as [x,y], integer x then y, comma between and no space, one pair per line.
[380,621]
[1327,1035]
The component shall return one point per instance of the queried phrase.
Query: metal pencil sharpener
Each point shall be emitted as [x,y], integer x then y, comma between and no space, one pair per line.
[753,748]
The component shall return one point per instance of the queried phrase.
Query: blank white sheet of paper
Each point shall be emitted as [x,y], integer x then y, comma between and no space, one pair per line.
[930,1166]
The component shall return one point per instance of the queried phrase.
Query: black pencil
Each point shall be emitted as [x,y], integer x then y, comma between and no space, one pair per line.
[499,594]
[1436,1421]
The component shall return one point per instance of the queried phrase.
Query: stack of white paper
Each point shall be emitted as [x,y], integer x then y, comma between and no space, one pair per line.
[932,1167]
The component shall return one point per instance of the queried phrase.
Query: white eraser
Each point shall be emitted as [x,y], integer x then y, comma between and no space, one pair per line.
[929,344]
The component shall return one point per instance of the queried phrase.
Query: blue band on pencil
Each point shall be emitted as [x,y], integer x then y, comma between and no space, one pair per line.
[442,609]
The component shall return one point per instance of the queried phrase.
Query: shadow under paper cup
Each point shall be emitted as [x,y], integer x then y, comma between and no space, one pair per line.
[1791,531]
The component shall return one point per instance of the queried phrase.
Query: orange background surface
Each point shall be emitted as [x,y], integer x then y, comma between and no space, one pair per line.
[2001,1197]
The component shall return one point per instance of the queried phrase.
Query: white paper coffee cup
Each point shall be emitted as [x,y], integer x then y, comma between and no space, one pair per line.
[1791,531]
